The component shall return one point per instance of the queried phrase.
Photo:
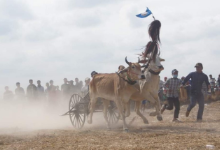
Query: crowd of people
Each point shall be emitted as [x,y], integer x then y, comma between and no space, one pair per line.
[197,85]
[51,92]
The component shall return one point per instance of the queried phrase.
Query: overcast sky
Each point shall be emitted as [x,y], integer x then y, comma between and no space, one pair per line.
[53,39]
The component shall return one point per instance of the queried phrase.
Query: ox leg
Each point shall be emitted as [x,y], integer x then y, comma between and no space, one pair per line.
[152,101]
[91,109]
[157,106]
[127,109]
[121,112]
[105,109]
[137,109]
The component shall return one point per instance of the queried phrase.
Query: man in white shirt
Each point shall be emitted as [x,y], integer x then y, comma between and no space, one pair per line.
[85,88]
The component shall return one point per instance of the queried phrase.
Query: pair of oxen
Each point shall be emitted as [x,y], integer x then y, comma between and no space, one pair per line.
[126,85]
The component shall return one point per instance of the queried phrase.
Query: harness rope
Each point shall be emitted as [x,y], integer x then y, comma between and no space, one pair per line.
[129,81]
[154,73]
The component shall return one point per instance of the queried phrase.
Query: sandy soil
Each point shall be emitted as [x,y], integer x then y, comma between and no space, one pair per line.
[188,135]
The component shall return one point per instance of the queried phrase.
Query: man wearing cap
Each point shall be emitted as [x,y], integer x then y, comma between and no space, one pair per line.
[172,86]
[197,79]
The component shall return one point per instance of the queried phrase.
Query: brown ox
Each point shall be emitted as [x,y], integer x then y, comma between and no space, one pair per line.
[115,88]
[149,89]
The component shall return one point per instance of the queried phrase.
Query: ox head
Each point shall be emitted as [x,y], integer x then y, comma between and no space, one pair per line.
[133,70]
[156,65]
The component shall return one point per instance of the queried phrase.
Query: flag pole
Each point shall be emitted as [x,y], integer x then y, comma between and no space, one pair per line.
[153,15]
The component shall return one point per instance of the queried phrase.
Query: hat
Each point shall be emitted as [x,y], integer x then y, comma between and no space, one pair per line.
[93,73]
[174,70]
[199,65]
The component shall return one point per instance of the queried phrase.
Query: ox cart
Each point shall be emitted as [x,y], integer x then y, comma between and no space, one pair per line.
[79,109]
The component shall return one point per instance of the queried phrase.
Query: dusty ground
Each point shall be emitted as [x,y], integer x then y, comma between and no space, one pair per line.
[188,135]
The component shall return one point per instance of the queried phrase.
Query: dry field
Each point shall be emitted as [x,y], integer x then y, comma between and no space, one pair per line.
[188,135]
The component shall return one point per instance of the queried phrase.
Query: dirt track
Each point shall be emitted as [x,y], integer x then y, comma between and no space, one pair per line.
[188,135]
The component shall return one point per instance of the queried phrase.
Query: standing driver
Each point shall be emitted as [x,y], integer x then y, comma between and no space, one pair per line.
[197,79]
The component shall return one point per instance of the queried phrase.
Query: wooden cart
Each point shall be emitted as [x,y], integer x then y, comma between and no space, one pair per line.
[79,109]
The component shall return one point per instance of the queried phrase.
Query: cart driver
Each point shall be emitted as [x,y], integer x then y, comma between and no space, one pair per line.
[85,88]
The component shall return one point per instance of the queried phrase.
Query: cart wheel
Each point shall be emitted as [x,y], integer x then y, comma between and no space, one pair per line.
[112,114]
[77,111]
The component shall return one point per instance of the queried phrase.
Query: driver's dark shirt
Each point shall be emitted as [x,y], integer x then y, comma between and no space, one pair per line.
[197,80]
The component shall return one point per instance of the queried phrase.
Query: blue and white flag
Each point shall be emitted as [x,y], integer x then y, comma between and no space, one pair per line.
[144,14]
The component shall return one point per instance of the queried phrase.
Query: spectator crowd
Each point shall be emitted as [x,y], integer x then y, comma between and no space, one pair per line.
[50,92]
[197,85]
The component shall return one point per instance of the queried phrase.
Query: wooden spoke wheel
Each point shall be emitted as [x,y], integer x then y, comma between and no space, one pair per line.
[77,111]
[112,113]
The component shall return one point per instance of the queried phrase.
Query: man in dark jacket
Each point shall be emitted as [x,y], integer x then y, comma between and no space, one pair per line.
[197,79]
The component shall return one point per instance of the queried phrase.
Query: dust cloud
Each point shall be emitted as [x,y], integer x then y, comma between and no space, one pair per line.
[26,115]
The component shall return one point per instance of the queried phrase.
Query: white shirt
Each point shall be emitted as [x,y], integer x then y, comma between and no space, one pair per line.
[85,89]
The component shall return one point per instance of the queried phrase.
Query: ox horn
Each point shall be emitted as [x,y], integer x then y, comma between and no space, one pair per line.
[127,61]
